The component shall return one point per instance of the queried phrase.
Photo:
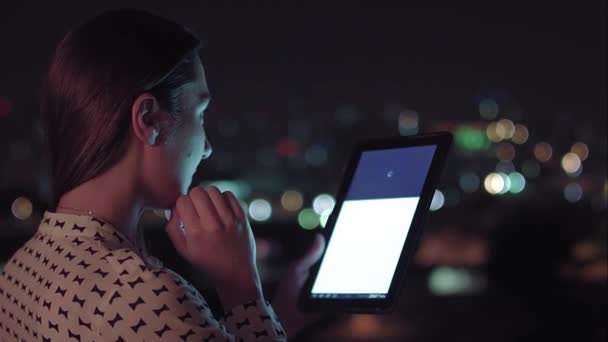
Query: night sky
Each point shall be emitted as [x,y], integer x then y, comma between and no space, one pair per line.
[551,58]
[279,69]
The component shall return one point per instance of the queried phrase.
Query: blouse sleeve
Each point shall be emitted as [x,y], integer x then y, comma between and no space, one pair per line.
[161,306]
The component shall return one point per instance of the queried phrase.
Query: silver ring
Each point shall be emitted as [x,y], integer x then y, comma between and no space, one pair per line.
[181,227]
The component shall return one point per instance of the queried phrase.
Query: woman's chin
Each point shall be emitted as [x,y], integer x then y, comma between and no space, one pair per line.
[187,185]
[185,188]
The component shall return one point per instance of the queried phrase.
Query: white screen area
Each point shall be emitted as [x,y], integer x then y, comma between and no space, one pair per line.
[365,246]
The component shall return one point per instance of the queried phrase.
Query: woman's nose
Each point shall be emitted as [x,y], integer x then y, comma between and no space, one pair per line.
[207,149]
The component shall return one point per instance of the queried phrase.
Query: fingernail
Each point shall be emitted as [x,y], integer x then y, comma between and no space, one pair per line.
[168,214]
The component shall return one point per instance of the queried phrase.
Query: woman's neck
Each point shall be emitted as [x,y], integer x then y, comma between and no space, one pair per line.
[111,197]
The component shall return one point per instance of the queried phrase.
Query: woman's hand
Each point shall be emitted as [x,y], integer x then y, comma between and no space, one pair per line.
[285,301]
[218,240]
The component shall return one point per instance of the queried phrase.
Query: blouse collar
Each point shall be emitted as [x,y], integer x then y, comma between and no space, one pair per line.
[65,225]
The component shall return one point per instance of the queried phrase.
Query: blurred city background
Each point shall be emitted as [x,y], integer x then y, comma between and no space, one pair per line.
[515,244]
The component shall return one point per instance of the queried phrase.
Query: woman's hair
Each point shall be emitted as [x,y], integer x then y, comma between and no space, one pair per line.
[95,74]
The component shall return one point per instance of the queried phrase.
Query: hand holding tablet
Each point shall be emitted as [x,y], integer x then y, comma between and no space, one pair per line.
[374,228]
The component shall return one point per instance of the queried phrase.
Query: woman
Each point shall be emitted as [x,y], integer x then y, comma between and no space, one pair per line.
[123,105]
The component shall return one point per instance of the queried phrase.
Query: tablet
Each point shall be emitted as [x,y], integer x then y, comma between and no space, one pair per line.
[375,225]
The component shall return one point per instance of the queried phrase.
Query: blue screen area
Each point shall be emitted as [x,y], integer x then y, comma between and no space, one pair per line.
[391,173]
[373,223]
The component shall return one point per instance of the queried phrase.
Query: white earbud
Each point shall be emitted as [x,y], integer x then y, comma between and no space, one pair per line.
[152,139]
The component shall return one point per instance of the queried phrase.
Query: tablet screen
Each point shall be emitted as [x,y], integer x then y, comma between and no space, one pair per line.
[372,224]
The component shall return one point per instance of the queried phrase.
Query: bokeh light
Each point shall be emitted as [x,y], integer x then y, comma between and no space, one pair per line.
[469,182]
[505,128]
[505,151]
[240,189]
[365,327]
[308,219]
[438,200]
[521,134]
[324,217]
[505,167]
[446,281]
[488,109]
[543,152]
[22,208]
[260,210]
[323,202]
[518,182]
[492,133]
[292,200]
[581,150]
[470,138]
[408,122]
[497,183]
[506,181]
[577,173]
[586,251]
[493,183]
[573,192]
[287,148]
[571,163]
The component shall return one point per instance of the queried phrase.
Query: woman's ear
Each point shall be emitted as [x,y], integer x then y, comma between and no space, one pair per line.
[145,118]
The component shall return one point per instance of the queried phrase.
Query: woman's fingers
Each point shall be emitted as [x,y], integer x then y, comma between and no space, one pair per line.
[223,207]
[209,216]
[227,255]
[209,209]
[174,232]
[312,255]
[189,216]
[237,210]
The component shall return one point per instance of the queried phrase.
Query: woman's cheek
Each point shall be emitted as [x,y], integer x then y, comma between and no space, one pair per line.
[195,153]
[198,146]
[178,152]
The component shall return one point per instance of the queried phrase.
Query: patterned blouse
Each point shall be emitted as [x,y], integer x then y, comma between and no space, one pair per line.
[80,279]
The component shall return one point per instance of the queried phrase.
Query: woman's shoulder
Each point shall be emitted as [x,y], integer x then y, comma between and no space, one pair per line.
[132,269]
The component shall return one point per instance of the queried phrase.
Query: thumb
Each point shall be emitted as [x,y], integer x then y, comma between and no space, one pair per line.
[175,234]
[312,255]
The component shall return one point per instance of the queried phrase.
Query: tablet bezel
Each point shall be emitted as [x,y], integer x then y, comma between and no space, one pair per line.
[383,305]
